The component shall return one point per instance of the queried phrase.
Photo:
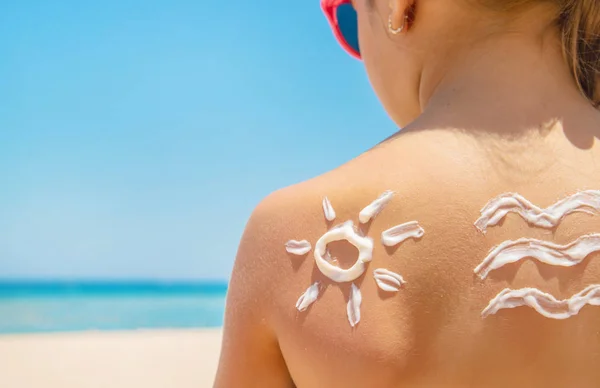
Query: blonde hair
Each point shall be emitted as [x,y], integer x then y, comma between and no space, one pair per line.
[579,22]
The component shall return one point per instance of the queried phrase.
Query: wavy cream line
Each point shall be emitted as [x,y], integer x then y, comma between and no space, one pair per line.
[543,251]
[545,304]
[496,209]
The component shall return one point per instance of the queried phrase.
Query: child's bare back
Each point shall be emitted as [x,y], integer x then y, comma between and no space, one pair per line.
[430,332]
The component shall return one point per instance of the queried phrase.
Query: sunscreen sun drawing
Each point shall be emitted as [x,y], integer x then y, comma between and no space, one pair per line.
[386,280]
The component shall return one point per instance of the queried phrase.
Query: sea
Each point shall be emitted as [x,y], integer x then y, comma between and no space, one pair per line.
[68,306]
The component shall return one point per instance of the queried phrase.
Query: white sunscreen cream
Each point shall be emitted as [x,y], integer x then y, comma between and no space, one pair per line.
[328,210]
[545,304]
[387,280]
[299,248]
[346,232]
[400,233]
[543,251]
[311,295]
[353,306]
[368,213]
[496,209]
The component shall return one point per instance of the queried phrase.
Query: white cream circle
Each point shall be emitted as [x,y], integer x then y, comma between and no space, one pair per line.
[344,232]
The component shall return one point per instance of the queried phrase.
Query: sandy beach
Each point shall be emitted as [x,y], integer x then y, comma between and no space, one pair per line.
[149,359]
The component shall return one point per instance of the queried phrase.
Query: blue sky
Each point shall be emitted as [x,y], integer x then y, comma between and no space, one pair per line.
[136,136]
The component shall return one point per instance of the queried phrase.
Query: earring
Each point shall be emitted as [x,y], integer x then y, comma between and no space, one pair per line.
[398,30]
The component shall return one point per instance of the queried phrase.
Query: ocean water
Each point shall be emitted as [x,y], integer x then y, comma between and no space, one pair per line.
[27,307]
